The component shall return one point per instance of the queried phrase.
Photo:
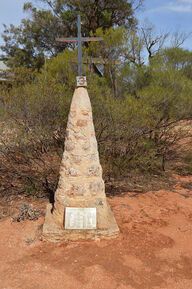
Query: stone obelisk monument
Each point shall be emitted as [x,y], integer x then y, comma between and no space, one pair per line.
[80,210]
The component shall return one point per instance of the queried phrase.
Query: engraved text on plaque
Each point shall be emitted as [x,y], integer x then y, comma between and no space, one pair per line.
[80,218]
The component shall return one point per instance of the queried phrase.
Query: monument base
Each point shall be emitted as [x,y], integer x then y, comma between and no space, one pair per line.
[53,232]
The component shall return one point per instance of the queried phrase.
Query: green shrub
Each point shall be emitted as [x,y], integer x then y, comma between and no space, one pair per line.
[133,132]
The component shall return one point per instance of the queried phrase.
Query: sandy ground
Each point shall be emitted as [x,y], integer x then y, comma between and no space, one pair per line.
[153,251]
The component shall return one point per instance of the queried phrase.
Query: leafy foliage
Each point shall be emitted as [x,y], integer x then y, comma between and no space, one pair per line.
[137,107]
[28,43]
[135,131]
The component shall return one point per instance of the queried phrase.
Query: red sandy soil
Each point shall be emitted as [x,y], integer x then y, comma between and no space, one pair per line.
[153,250]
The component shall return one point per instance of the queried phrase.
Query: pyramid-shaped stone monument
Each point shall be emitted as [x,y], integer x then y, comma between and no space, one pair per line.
[80,210]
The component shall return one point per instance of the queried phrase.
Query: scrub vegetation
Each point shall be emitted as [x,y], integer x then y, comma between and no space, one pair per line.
[141,93]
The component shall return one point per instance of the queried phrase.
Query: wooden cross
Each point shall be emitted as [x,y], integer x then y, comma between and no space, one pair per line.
[79,40]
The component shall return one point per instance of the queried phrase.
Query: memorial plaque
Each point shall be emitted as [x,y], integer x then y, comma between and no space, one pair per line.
[81,81]
[80,218]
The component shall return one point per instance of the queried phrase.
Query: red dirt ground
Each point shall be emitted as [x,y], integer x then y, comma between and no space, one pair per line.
[153,251]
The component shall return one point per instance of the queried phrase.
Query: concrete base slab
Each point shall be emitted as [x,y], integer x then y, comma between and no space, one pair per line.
[53,232]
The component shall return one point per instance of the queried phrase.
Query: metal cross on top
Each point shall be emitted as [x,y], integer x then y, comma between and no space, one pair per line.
[81,80]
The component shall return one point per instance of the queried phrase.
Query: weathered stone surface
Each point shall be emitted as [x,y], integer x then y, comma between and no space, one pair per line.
[80,183]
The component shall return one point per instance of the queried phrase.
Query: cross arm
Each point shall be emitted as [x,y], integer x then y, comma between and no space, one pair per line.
[87,39]
[74,39]
[69,39]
